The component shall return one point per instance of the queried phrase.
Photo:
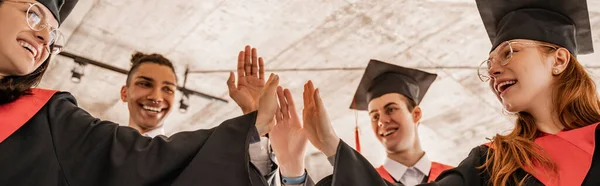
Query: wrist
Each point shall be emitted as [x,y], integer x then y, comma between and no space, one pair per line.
[294,180]
[263,124]
[292,169]
[248,109]
[262,129]
[330,147]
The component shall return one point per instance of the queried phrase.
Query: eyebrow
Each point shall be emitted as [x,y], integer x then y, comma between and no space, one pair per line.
[150,79]
[386,105]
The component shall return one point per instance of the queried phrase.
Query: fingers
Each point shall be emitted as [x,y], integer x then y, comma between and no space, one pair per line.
[240,65]
[290,101]
[248,61]
[272,84]
[283,103]
[311,93]
[305,96]
[254,67]
[231,82]
[261,68]
[318,100]
[279,116]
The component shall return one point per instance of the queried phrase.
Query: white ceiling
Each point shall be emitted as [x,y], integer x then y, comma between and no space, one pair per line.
[441,36]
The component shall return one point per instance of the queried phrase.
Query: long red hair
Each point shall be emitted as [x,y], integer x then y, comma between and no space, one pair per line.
[576,102]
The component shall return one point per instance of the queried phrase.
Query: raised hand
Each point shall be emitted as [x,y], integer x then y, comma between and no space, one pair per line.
[287,137]
[317,126]
[267,106]
[250,81]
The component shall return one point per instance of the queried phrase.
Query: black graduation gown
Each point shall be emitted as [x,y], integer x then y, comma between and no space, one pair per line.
[64,145]
[351,168]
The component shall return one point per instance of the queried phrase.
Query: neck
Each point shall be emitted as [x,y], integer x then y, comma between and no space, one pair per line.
[140,129]
[408,157]
[545,117]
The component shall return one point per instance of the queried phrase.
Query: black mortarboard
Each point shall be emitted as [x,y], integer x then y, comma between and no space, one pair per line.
[562,22]
[60,8]
[381,78]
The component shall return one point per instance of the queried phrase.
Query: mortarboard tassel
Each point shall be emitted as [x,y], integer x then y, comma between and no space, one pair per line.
[356,131]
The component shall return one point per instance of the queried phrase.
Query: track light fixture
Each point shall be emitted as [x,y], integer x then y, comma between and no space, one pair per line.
[184,102]
[78,71]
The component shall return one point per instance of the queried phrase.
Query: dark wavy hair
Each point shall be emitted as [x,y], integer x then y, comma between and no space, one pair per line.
[13,87]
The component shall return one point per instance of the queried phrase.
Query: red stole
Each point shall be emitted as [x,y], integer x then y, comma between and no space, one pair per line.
[17,113]
[436,169]
[572,153]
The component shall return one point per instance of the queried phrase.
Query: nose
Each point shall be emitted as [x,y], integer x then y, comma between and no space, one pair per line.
[384,119]
[43,36]
[495,69]
[155,96]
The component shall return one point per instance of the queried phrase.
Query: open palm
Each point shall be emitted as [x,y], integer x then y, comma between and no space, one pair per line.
[317,126]
[287,136]
[250,81]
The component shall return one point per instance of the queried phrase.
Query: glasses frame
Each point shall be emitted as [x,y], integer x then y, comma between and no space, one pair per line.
[490,61]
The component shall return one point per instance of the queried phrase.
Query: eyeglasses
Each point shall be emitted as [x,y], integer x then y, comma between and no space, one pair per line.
[36,20]
[503,54]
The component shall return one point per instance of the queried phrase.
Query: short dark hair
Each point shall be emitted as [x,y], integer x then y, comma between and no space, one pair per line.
[138,58]
[410,104]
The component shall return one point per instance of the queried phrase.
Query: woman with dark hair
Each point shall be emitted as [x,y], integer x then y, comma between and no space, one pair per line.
[533,70]
[46,139]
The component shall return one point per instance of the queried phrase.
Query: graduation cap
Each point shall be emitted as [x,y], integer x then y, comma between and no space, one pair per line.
[60,8]
[381,78]
[562,22]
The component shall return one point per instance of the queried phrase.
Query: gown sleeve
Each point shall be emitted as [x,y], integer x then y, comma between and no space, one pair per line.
[350,168]
[95,152]
[466,173]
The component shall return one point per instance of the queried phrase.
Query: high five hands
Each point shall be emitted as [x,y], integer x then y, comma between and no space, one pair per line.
[277,114]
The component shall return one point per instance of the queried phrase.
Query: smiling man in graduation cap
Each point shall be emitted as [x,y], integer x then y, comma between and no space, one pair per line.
[391,94]
[533,70]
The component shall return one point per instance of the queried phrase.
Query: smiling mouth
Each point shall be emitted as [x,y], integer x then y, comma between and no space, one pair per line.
[28,47]
[505,85]
[388,132]
[152,109]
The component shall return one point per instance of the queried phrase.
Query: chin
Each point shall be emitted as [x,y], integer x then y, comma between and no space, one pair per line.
[512,108]
[149,124]
[22,69]
[394,146]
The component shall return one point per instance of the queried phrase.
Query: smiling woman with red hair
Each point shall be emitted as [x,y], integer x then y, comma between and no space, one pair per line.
[533,70]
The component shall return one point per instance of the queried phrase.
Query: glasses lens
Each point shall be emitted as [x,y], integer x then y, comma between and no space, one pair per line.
[58,44]
[56,38]
[35,15]
[483,71]
[506,55]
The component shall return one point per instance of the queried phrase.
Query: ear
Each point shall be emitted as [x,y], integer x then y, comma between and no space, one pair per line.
[124,93]
[561,61]
[417,114]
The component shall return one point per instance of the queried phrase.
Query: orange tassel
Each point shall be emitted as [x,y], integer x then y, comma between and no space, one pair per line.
[357,137]
[356,131]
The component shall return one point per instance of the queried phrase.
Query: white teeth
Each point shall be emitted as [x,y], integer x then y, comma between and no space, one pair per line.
[387,133]
[28,46]
[153,109]
[504,83]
